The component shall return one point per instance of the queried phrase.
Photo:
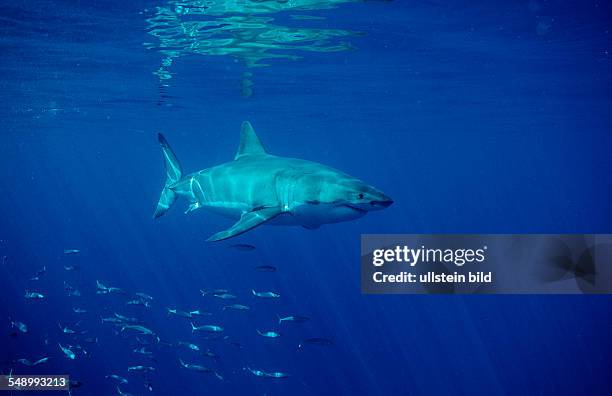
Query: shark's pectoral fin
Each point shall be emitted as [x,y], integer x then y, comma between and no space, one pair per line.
[311,226]
[248,220]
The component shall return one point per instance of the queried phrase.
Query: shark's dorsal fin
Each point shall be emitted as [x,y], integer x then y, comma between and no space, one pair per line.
[249,142]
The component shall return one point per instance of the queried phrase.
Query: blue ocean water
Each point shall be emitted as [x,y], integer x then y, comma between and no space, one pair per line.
[475,117]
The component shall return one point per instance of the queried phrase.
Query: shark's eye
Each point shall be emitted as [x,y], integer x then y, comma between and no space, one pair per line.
[360,195]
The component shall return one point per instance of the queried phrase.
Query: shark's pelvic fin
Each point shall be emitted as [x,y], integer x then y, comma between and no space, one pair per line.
[249,142]
[174,172]
[248,221]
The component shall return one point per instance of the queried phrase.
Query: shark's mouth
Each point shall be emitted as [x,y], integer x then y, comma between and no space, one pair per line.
[355,208]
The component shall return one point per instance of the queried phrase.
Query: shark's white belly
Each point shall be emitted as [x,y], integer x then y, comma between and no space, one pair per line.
[310,216]
[313,216]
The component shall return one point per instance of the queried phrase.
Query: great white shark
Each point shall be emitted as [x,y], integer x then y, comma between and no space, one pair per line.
[259,188]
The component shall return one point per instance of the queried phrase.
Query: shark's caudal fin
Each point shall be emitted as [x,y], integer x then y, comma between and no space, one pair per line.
[174,172]
[249,142]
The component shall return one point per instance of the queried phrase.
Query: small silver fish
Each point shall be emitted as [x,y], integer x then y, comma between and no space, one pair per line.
[293,318]
[182,314]
[34,295]
[67,351]
[277,374]
[25,362]
[139,328]
[199,368]
[189,345]
[65,329]
[266,294]
[126,319]
[141,368]
[208,328]
[139,301]
[40,361]
[20,326]
[237,307]
[213,292]
[268,334]
[261,373]
[117,378]
[255,372]
[224,296]
[197,312]
[72,251]
[102,289]
[112,320]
